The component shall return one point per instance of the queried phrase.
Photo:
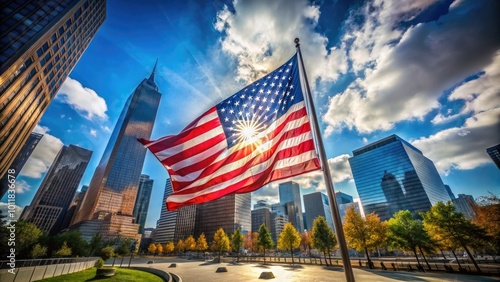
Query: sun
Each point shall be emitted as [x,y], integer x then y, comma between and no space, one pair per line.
[249,131]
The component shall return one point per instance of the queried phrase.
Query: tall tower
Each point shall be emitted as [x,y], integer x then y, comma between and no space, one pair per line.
[40,43]
[166,224]
[53,198]
[391,174]
[317,204]
[20,160]
[142,201]
[114,185]
[290,192]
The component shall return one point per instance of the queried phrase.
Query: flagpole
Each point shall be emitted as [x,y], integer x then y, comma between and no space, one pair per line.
[337,221]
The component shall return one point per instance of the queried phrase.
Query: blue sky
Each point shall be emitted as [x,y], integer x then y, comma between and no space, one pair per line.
[428,71]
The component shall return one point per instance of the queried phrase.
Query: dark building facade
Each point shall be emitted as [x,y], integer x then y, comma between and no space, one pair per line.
[142,201]
[317,204]
[290,192]
[259,217]
[113,189]
[229,213]
[41,42]
[52,200]
[494,153]
[391,175]
[20,161]
[165,229]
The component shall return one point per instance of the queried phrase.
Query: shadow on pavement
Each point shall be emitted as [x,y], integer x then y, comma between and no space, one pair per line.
[400,276]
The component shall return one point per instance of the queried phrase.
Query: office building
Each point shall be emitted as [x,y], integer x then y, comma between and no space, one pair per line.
[261,216]
[450,193]
[74,206]
[465,204]
[344,207]
[261,204]
[41,42]
[391,175]
[229,213]
[113,189]
[165,227]
[19,161]
[343,198]
[54,196]
[317,204]
[278,222]
[185,222]
[141,205]
[290,192]
[494,153]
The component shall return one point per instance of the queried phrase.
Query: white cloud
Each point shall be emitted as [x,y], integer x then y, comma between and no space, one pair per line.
[43,155]
[93,132]
[4,207]
[406,72]
[22,187]
[106,128]
[259,35]
[84,100]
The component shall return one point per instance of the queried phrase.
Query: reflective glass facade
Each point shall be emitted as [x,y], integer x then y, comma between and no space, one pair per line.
[55,194]
[392,175]
[40,43]
[290,192]
[142,201]
[317,204]
[494,153]
[165,228]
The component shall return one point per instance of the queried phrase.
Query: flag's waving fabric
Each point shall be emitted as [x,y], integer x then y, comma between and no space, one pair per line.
[258,135]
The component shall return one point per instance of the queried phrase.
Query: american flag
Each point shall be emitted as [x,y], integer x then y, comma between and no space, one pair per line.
[256,136]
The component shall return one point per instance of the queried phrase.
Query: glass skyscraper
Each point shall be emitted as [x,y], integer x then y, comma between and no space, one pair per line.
[54,196]
[40,43]
[290,192]
[165,228]
[317,204]
[20,160]
[113,189]
[393,175]
[142,201]
[494,153]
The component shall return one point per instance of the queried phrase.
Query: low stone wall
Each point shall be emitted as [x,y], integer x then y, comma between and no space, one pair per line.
[169,277]
[39,272]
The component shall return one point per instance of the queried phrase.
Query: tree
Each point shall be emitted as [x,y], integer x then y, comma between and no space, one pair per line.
[152,248]
[179,247]
[190,243]
[265,241]
[123,249]
[107,252]
[364,234]
[64,251]
[95,244]
[159,249]
[27,235]
[251,241]
[74,240]
[38,251]
[221,242]
[237,243]
[306,241]
[289,239]
[407,233]
[444,221]
[322,237]
[201,243]
[488,218]
[168,248]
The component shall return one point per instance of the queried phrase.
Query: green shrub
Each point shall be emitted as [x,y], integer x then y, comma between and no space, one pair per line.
[99,263]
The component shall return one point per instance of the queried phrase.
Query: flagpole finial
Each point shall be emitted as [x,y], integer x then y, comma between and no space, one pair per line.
[297,44]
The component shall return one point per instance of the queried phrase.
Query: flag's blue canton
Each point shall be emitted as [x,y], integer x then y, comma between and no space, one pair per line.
[263,101]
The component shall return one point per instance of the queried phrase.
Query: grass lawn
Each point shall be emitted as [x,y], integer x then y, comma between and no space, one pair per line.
[122,274]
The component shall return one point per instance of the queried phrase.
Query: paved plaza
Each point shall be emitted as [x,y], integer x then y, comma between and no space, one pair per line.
[203,271]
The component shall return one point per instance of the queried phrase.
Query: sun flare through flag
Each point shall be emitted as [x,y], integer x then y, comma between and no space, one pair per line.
[256,136]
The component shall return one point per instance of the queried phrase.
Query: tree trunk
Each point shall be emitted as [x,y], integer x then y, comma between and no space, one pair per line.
[368,258]
[219,255]
[453,252]
[472,258]
[442,253]
[324,254]
[330,258]
[425,259]
[291,251]
[264,255]
[416,256]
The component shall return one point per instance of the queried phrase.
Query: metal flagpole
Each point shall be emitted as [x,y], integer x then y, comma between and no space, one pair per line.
[337,221]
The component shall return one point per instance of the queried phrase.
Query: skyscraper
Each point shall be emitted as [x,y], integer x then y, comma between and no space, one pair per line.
[114,185]
[259,217]
[229,213]
[391,174]
[290,192]
[450,193]
[494,153]
[165,228]
[141,205]
[41,42]
[53,198]
[317,204]
[465,205]
[20,160]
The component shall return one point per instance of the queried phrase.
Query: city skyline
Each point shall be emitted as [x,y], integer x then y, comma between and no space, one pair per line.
[451,120]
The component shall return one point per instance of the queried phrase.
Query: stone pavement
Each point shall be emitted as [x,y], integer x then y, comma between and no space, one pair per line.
[203,271]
